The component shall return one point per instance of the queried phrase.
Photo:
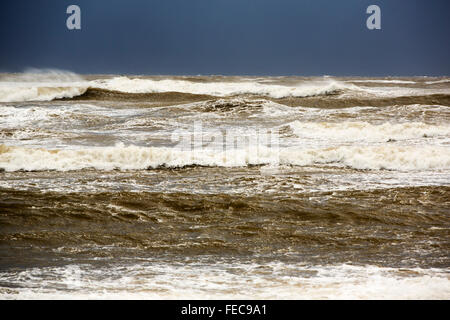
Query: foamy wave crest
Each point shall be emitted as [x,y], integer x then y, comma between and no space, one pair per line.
[313,88]
[438,81]
[364,131]
[38,93]
[124,158]
[383,81]
[406,158]
[41,85]
[138,158]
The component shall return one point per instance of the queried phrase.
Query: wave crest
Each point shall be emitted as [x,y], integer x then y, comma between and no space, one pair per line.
[38,93]
[365,131]
[138,158]
[313,88]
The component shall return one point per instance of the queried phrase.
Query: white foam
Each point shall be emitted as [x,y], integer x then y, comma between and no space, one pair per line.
[394,92]
[55,115]
[309,88]
[312,88]
[125,158]
[364,131]
[274,280]
[372,157]
[12,92]
[137,158]
[41,85]
[383,81]
[438,81]
[49,85]
[13,117]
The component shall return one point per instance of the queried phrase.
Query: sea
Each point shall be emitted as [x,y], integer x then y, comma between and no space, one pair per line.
[224,187]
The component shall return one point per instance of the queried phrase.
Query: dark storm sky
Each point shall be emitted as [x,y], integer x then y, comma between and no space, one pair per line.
[244,37]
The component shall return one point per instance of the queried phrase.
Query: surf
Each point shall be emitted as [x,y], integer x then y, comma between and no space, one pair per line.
[120,157]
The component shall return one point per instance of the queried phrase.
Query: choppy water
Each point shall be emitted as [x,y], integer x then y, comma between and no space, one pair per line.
[224,187]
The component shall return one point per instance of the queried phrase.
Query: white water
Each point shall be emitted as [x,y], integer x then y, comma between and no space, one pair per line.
[41,85]
[313,88]
[38,92]
[349,131]
[47,85]
[226,281]
[383,81]
[401,158]
[68,136]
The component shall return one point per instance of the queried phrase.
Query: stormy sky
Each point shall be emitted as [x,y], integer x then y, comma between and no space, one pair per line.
[229,37]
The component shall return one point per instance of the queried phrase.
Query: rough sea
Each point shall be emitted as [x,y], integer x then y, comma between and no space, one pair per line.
[217,187]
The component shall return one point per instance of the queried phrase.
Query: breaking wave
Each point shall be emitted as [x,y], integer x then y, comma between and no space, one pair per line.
[47,85]
[38,93]
[47,91]
[401,158]
[313,88]
[383,81]
[365,131]
[41,85]
[438,81]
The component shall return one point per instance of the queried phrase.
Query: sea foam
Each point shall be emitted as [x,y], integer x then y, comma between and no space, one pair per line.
[364,131]
[313,88]
[402,158]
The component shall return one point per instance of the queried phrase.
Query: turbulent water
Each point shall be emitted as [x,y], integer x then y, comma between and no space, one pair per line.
[224,187]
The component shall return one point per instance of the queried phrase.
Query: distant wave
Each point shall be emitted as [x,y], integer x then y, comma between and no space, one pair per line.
[51,86]
[161,97]
[313,88]
[438,81]
[402,158]
[383,81]
[20,91]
